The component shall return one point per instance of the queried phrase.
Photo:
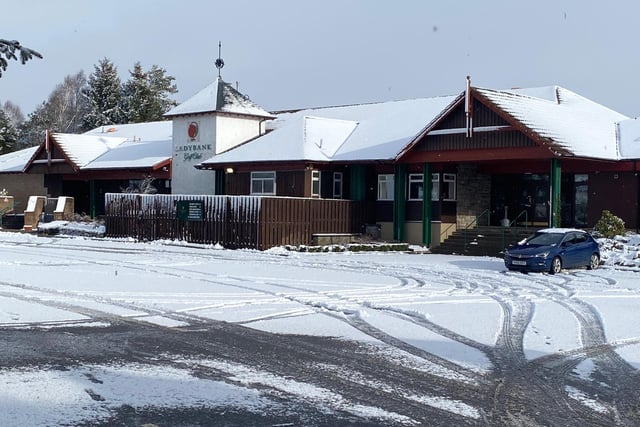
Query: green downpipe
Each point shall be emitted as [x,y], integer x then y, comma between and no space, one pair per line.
[555,176]
[92,198]
[399,202]
[358,184]
[427,185]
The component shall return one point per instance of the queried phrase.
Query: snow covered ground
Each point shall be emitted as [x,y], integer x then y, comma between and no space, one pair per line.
[463,310]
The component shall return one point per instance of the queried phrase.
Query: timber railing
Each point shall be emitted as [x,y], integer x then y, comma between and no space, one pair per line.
[232,221]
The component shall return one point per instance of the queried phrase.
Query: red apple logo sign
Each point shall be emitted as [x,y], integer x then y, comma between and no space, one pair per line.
[192,131]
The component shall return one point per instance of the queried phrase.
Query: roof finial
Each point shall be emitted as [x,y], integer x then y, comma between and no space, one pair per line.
[219,62]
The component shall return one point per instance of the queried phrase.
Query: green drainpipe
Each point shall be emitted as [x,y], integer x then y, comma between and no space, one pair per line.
[399,202]
[427,185]
[92,198]
[358,182]
[555,178]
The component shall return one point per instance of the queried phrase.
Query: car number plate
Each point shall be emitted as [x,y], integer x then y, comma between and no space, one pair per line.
[518,262]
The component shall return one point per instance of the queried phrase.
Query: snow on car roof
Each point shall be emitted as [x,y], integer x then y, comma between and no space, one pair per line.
[559,230]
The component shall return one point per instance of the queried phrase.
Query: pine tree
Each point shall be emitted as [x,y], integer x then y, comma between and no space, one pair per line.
[162,87]
[8,51]
[104,95]
[8,134]
[146,94]
[136,96]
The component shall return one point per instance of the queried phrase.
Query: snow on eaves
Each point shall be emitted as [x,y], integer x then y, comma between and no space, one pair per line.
[16,161]
[362,132]
[219,96]
[571,122]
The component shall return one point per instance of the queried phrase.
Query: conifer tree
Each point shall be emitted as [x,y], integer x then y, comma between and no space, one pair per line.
[104,95]
[8,134]
[10,49]
[146,95]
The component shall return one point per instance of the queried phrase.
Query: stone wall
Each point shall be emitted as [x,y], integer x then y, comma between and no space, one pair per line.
[473,194]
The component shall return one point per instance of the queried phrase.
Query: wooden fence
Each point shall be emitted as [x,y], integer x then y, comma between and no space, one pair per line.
[232,221]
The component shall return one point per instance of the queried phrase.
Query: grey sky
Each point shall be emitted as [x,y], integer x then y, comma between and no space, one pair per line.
[295,53]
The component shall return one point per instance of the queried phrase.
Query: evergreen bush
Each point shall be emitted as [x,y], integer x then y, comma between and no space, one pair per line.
[609,225]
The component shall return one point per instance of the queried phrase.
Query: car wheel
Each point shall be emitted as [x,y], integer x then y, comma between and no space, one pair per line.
[556,265]
[594,262]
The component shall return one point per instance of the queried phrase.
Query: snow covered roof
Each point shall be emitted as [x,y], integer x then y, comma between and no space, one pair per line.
[572,124]
[219,96]
[149,131]
[568,123]
[146,145]
[140,154]
[82,149]
[138,145]
[361,132]
[629,138]
[16,161]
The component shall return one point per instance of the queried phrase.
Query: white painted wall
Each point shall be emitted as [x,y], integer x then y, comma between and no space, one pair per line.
[234,130]
[216,133]
[187,153]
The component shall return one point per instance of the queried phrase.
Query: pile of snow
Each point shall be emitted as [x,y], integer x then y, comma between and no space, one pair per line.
[71,228]
[621,251]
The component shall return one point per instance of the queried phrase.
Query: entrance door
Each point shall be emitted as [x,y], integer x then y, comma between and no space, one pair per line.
[535,198]
[517,194]
[581,199]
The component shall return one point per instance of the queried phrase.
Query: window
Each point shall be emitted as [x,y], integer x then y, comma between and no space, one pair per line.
[415,186]
[263,183]
[315,183]
[449,187]
[435,187]
[385,187]
[337,185]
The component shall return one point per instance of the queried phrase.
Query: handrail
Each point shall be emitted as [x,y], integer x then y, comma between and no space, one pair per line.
[526,219]
[515,221]
[476,223]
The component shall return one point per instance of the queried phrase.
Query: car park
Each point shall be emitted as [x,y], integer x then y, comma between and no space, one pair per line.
[552,249]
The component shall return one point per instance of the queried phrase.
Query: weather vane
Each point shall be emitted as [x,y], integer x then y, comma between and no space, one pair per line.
[219,61]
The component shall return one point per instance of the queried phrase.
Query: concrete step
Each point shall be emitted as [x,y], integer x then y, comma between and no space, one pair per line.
[483,241]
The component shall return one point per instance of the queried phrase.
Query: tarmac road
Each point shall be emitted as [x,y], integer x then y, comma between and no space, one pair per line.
[517,391]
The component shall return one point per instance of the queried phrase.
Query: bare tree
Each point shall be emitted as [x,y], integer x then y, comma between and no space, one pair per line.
[64,111]
[11,49]
[68,105]
[13,112]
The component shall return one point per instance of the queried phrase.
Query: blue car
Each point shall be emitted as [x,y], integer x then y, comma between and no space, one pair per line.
[553,249]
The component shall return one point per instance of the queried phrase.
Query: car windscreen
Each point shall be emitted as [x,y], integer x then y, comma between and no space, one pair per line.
[545,239]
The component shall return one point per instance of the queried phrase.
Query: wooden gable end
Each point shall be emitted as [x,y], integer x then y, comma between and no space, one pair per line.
[491,135]
[49,158]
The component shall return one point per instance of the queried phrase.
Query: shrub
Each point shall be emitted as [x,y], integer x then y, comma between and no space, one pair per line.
[609,225]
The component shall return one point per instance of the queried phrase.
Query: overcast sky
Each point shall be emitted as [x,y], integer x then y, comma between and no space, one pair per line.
[296,53]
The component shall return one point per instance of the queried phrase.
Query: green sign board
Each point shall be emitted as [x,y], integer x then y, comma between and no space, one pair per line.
[190,210]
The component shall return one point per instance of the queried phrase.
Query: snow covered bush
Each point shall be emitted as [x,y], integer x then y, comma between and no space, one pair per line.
[609,225]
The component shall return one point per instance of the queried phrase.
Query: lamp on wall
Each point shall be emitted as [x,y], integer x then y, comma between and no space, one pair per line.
[229,170]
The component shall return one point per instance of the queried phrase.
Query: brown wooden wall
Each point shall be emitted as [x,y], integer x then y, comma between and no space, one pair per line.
[232,221]
[616,192]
